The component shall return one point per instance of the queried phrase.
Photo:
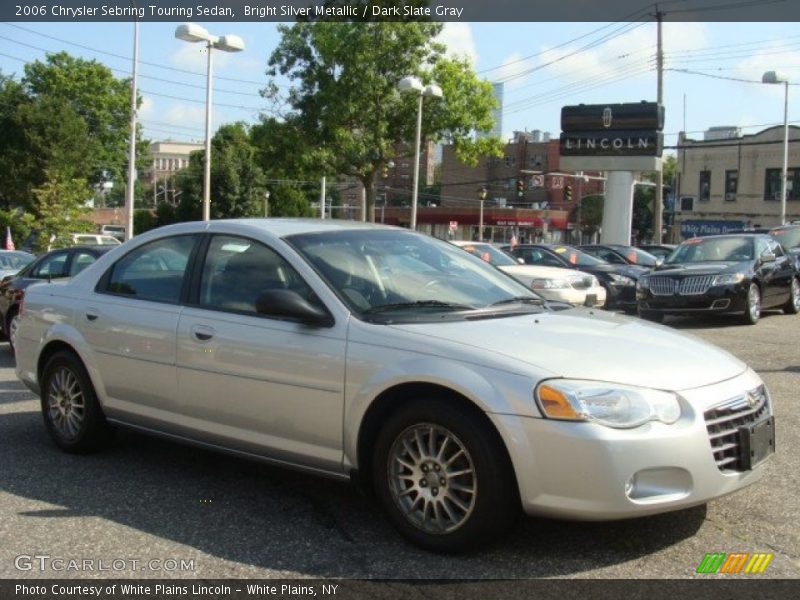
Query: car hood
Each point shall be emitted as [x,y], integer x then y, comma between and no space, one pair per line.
[703,268]
[586,344]
[632,271]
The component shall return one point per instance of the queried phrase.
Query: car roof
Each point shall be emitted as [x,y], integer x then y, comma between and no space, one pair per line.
[279,227]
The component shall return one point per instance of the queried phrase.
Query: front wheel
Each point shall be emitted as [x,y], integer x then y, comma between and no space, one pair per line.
[443,478]
[792,306]
[72,414]
[12,328]
[752,311]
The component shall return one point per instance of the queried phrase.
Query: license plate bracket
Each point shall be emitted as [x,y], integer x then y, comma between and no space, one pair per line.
[757,442]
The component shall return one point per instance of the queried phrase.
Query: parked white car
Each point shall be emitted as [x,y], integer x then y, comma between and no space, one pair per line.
[94,239]
[346,349]
[551,283]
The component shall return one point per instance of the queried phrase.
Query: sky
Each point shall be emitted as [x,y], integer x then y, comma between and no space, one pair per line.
[544,66]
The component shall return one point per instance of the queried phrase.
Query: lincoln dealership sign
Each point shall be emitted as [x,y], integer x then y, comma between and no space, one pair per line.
[612,129]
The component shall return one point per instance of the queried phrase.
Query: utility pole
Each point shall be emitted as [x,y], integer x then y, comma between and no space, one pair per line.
[658,208]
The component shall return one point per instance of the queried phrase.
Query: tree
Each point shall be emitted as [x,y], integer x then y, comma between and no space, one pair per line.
[59,205]
[345,100]
[591,213]
[67,115]
[237,180]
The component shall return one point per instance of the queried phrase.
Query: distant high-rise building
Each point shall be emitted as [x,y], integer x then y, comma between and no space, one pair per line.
[497,113]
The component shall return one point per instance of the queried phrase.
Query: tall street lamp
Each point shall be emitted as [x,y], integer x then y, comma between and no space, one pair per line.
[413,85]
[266,203]
[482,193]
[778,77]
[191,32]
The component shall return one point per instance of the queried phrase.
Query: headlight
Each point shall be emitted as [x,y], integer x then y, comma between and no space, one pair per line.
[608,404]
[621,279]
[549,284]
[643,283]
[728,279]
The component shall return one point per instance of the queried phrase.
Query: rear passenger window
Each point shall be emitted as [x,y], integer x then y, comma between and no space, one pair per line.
[153,272]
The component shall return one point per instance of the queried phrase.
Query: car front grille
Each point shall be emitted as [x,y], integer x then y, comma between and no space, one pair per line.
[662,286]
[694,286]
[724,423]
[580,283]
[689,286]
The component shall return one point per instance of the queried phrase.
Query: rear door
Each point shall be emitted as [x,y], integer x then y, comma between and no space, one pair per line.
[130,323]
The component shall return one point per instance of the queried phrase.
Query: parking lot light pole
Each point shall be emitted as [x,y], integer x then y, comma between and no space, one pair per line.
[414,86]
[191,32]
[778,77]
[482,193]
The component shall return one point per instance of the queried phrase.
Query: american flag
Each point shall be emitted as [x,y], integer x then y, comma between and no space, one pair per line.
[9,243]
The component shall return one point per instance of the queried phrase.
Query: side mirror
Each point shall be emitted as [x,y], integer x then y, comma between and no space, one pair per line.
[289,304]
[521,260]
[768,257]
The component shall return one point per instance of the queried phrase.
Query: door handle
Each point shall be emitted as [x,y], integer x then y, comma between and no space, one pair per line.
[202,334]
[91,316]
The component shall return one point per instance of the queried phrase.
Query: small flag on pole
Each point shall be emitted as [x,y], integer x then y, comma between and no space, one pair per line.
[513,243]
[9,243]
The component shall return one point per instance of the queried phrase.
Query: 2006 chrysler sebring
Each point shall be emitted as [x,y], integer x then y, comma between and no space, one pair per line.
[345,349]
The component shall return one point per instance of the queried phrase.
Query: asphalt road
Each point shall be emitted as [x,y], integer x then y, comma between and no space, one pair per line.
[148,499]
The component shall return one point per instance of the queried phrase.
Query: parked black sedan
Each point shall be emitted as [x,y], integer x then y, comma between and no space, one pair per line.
[56,264]
[735,273]
[618,280]
[617,254]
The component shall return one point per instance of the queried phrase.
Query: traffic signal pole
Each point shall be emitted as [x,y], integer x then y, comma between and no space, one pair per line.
[658,208]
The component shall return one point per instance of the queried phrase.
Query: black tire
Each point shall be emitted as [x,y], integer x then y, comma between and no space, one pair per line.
[792,306]
[752,310]
[490,509]
[12,312]
[76,421]
[649,315]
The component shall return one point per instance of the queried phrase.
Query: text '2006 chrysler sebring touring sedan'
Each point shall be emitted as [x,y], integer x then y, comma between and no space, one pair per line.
[347,349]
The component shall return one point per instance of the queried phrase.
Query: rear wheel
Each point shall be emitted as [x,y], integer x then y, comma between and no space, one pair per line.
[72,414]
[752,311]
[792,306]
[12,325]
[442,477]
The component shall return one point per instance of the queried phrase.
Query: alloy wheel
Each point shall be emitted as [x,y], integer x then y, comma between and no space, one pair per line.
[754,302]
[13,326]
[432,478]
[796,293]
[65,402]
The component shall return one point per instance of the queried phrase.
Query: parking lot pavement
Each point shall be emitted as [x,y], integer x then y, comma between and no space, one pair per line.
[147,499]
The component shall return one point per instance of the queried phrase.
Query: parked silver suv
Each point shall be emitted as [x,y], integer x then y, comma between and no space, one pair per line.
[342,348]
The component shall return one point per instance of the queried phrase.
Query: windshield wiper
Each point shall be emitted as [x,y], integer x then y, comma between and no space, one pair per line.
[418,304]
[520,300]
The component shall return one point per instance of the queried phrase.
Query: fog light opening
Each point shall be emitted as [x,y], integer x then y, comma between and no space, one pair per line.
[724,303]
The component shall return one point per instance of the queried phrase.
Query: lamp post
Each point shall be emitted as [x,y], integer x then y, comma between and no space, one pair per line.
[414,86]
[482,193]
[266,203]
[191,32]
[778,77]
[129,190]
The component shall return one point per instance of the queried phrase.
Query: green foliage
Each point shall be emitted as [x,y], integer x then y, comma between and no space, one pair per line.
[346,105]
[65,115]
[20,229]
[237,180]
[59,204]
[286,200]
[144,220]
[591,213]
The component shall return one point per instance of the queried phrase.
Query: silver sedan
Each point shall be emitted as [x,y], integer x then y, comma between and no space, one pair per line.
[346,349]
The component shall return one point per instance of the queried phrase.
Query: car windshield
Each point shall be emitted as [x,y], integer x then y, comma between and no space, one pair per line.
[788,238]
[637,256]
[390,271]
[712,250]
[490,254]
[15,260]
[576,257]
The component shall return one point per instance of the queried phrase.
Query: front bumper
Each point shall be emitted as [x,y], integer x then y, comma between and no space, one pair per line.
[719,299]
[573,296]
[590,472]
[622,297]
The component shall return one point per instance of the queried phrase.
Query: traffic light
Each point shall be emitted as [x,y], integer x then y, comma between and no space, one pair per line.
[568,193]
[520,187]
